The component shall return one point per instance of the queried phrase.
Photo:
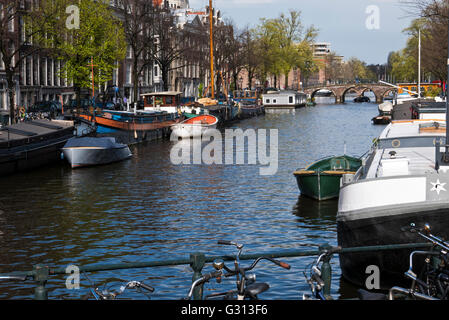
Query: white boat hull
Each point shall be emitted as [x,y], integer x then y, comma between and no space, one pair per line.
[191,130]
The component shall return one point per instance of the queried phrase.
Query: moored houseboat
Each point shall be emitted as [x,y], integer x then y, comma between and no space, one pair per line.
[402,180]
[31,144]
[131,127]
[284,100]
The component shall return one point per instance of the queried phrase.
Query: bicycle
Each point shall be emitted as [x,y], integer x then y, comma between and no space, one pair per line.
[246,286]
[315,280]
[108,294]
[432,282]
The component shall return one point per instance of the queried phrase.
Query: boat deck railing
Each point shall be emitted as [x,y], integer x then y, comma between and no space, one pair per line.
[197,261]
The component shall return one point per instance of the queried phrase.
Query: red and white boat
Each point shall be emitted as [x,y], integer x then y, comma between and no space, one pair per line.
[194,127]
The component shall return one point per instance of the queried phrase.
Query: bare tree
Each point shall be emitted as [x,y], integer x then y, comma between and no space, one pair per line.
[15,44]
[227,49]
[172,45]
[251,61]
[138,17]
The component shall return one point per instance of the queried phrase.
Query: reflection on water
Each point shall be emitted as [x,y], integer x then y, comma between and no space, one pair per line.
[308,209]
[147,209]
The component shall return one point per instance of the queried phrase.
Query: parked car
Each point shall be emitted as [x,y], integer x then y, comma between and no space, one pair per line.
[85,104]
[51,108]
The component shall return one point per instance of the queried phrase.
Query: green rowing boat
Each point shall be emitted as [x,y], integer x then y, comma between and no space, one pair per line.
[321,179]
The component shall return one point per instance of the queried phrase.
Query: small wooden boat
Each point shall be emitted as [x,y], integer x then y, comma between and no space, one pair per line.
[310,104]
[381,119]
[321,180]
[194,127]
[362,99]
[87,151]
[249,109]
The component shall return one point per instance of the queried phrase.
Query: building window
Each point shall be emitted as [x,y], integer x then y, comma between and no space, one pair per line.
[49,72]
[128,74]
[42,72]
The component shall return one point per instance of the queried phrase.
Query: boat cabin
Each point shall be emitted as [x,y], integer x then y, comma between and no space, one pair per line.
[428,110]
[239,95]
[284,100]
[406,87]
[168,101]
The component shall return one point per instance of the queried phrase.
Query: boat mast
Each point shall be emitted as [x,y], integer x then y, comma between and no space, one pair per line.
[92,65]
[211,21]
[419,63]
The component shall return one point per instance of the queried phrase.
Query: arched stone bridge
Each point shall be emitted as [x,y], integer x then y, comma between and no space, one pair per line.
[340,90]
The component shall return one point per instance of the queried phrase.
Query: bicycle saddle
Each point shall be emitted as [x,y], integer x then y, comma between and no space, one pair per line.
[256,288]
[367,295]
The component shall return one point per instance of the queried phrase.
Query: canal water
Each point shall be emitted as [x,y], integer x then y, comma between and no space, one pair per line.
[147,209]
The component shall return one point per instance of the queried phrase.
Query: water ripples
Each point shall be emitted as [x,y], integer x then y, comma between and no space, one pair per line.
[147,209]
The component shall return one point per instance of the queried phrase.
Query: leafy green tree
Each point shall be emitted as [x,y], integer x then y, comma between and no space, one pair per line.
[403,66]
[284,44]
[100,37]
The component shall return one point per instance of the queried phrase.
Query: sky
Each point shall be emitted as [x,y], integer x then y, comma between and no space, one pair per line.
[365,29]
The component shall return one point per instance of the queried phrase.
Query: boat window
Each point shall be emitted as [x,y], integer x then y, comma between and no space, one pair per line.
[267,101]
[169,100]
[290,99]
[274,100]
[149,100]
[158,100]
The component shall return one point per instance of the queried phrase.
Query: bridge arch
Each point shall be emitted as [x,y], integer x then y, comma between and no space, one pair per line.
[340,90]
[360,90]
[384,94]
[314,92]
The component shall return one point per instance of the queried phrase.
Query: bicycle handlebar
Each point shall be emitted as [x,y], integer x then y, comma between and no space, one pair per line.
[204,278]
[146,287]
[426,234]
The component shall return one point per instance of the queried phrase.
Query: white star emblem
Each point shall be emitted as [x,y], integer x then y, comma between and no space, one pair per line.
[438,186]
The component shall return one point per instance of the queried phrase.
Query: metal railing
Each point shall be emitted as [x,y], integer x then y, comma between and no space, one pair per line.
[41,273]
